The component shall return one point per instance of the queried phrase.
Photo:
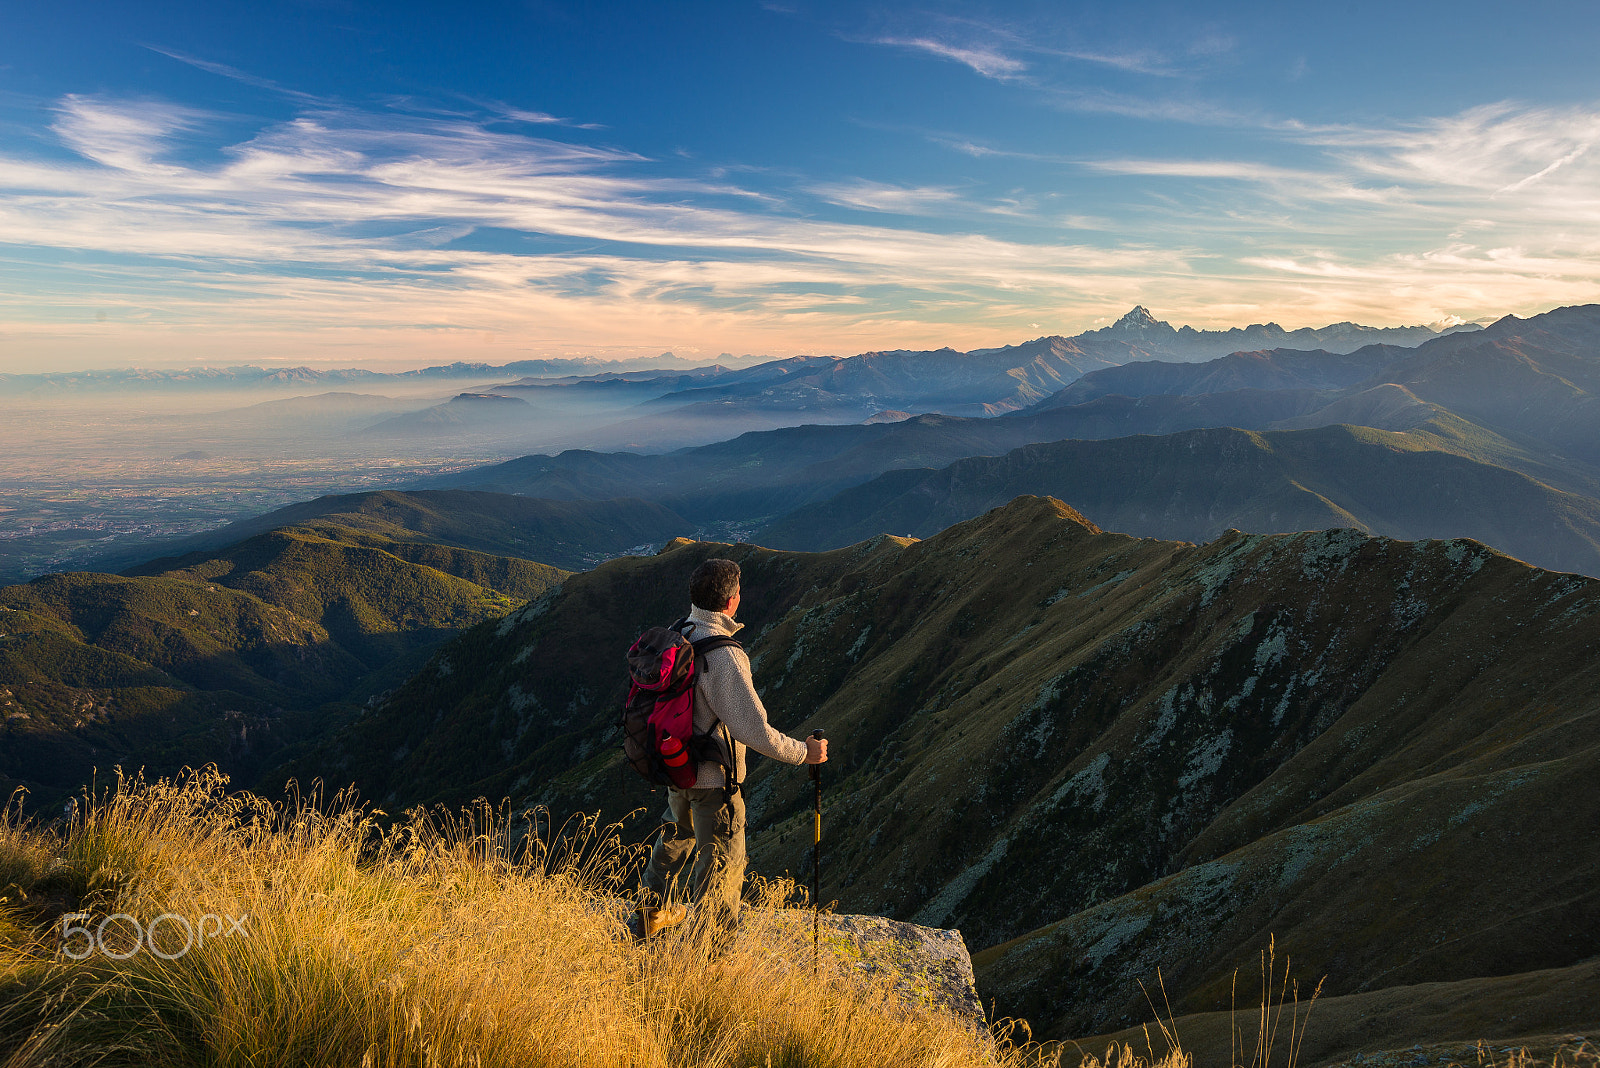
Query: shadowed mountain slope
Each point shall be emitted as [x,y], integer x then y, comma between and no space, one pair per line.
[1197,484]
[768,472]
[1123,754]
[1265,370]
[1538,378]
[563,533]
[223,657]
[1382,407]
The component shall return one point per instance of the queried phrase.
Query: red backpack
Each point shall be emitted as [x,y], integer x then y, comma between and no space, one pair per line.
[658,736]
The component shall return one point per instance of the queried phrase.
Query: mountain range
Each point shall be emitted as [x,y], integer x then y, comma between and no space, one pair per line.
[1152,336]
[252,377]
[1510,459]
[981,382]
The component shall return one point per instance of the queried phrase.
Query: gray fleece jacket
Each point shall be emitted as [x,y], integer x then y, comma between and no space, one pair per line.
[725,692]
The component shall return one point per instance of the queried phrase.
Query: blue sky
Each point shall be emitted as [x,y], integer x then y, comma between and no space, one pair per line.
[398,184]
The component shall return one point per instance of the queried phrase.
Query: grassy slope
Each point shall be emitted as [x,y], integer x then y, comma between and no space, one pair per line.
[563,533]
[1147,754]
[208,658]
[454,940]
[1197,484]
[1539,1010]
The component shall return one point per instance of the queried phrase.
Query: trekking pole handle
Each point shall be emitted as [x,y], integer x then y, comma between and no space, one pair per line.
[816,769]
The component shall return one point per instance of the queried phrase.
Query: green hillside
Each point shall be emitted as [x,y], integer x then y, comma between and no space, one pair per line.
[1197,484]
[564,533]
[1100,756]
[227,656]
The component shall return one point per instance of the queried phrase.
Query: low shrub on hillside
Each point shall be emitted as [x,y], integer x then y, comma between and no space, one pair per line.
[180,924]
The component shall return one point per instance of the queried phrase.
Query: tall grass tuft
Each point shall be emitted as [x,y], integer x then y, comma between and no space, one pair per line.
[481,938]
[1278,993]
[1575,1053]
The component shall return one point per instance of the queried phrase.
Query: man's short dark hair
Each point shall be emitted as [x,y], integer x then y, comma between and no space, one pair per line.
[713,584]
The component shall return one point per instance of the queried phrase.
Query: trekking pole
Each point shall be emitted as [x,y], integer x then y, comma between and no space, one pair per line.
[816,856]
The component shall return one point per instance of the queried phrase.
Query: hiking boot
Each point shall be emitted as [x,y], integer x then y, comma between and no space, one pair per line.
[656,920]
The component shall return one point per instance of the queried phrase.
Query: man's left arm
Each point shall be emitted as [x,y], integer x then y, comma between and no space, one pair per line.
[732,694]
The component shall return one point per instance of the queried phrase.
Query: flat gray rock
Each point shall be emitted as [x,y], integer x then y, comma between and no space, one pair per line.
[929,964]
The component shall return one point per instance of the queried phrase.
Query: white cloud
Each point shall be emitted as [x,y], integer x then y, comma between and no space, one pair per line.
[881,196]
[1247,170]
[344,230]
[339,218]
[985,60]
[127,138]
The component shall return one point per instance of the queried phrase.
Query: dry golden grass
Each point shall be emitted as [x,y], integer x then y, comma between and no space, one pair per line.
[441,941]
[1577,1054]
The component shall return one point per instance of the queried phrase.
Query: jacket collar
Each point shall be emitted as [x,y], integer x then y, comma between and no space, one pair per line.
[715,622]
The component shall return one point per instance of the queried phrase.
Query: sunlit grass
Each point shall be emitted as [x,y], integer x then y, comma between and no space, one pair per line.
[468,939]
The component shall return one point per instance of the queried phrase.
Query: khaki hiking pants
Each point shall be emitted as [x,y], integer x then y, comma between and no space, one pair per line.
[714,832]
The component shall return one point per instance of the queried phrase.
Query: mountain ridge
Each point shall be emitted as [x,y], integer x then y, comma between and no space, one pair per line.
[1060,740]
[1195,484]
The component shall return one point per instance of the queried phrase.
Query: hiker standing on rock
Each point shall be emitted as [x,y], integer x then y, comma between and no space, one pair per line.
[708,817]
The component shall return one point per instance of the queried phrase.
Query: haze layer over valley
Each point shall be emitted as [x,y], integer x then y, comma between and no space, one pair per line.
[157,455]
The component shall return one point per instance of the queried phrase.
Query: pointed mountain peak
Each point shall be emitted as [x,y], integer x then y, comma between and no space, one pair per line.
[1138,323]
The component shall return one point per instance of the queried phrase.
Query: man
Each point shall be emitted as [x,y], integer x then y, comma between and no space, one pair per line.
[708,820]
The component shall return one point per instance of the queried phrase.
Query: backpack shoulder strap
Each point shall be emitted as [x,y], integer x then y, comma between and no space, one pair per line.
[730,785]
[716,641]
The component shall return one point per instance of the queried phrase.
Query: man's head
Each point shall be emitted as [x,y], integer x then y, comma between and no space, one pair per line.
[714,586]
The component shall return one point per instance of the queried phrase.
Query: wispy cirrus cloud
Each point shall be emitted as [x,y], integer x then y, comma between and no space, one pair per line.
[986,60]
[125,139]
[343,218]
[344,230]
[1498,148]
[1509,158]
[235,74]
[884,196]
